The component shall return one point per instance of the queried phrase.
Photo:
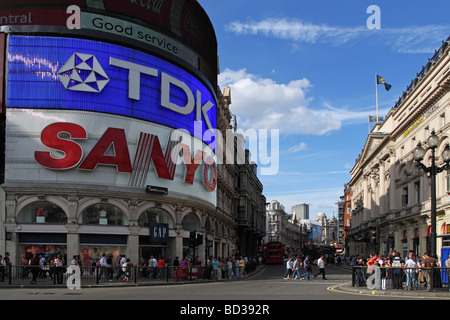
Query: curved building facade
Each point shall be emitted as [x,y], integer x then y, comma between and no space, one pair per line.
[108,111]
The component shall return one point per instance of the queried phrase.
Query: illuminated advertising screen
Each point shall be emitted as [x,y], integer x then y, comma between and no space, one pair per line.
[78,74]
[316,234]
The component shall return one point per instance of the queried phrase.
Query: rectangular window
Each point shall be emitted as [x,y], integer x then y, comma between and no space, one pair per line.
[417,191]
[405,199]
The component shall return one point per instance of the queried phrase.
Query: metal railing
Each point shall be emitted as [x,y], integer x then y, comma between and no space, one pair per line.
[50,275]
[401,278]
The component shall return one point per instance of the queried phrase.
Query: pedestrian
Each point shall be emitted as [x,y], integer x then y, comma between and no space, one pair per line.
[23,266]
[397,273]
[119,269]
[184,270]
[242,267]
[167,264]
[126,269]
[161,264]
[357,265]
[410,271]
[296,268]
[42,268]
[236,268]
[2,269]
[321,265]
[59,266]
[428,262]
[109,265]
[102,265]
[34,268]
[8,263]
[229,268]
[307,267]
[153,265]
[176,267]
[447,265]
[289,265]
[215,267]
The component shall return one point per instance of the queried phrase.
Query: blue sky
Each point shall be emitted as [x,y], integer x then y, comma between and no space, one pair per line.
[307,68]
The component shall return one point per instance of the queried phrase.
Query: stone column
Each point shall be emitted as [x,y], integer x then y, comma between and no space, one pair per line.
[382,192]
[367,199]
[392,187]
[133,245]
[179,234]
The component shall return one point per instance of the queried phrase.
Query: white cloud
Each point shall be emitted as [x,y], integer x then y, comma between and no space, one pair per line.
[413,39]
[298,147]
[264,104]
[260,103]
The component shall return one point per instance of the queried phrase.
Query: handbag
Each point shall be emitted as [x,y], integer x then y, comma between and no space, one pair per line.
[386,283]
[421,277]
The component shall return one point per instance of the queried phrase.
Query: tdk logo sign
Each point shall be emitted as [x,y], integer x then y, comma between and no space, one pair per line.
[78,74]
[82,72]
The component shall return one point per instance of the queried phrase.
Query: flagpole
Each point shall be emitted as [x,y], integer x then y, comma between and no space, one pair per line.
[376,90]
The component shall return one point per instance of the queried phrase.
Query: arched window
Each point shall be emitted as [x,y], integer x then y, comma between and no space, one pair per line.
[405,235]
[103,214]
[190,222]
[444,228]
[42,212]
[155,215]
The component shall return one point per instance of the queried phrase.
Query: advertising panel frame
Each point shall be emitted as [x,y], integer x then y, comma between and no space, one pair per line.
[3,38]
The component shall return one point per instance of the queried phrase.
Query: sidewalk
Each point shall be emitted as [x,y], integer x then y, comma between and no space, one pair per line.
[421,293]
[438,293]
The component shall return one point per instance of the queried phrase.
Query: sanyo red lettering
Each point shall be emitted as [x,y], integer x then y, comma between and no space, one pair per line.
[112,150]
[112,138]
[72,151]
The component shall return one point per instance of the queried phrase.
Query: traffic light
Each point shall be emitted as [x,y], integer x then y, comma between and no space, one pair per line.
[192,235]
[373,237]
[199,239]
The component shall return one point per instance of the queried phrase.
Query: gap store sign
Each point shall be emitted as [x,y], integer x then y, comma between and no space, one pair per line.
[79,74]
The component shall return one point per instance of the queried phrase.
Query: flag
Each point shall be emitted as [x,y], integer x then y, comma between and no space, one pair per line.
[374,119]
[380,80]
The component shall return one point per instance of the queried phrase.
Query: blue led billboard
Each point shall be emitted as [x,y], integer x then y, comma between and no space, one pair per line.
[79,74]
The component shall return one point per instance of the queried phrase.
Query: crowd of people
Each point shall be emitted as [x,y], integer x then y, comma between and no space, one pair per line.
[161,268]
[410,271]
[40,266]
[215,268]
[52,267]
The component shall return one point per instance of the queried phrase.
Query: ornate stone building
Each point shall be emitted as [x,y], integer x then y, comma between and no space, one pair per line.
[240,202]
[390,194]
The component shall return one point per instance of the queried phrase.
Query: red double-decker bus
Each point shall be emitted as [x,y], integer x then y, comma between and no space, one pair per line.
[274,252]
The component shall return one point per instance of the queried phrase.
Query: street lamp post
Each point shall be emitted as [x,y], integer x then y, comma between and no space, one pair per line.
[433,170]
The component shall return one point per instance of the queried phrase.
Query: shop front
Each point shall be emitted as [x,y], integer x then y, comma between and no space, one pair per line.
[46,245]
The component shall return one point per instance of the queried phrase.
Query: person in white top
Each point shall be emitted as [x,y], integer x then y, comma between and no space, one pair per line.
[321,265]
[410,271]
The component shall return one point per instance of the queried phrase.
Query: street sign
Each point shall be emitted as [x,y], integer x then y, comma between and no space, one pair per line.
[159,232]
[157,190]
